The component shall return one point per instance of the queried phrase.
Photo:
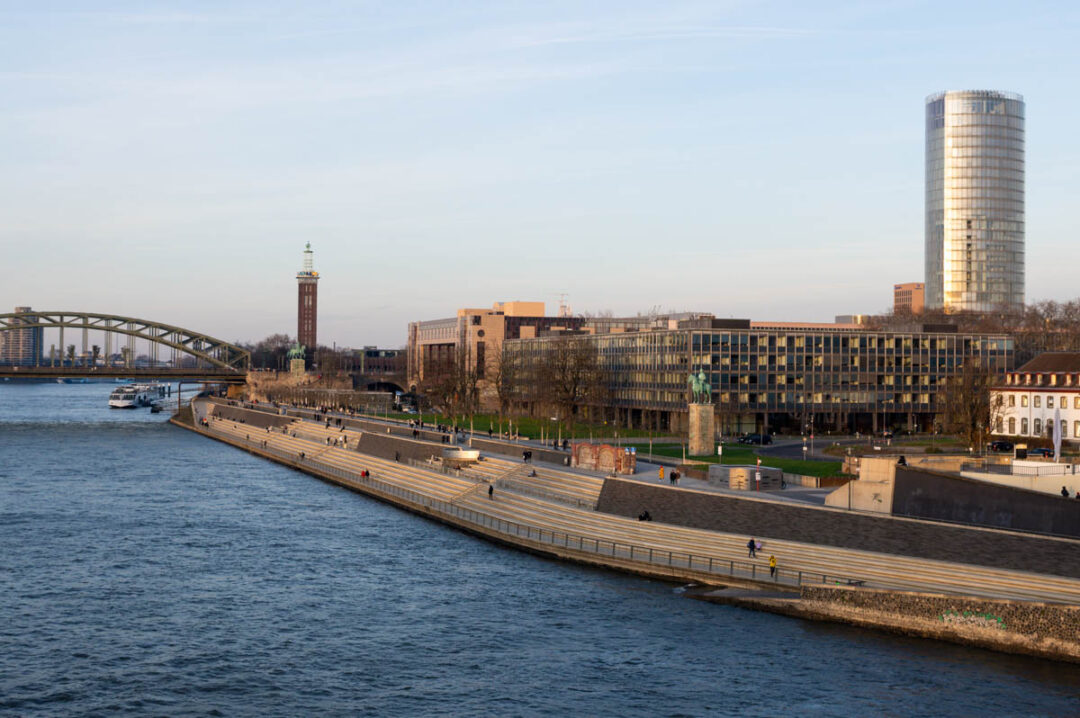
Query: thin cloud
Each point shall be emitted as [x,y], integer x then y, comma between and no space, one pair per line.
[673,34]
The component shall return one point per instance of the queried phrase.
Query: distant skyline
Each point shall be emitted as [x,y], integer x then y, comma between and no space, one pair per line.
[750,159]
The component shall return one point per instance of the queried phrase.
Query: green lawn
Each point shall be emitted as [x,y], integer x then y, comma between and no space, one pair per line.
[742,454]
[530,427]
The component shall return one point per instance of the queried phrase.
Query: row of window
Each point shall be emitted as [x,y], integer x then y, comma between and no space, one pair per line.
[1036,401]
[1036,427]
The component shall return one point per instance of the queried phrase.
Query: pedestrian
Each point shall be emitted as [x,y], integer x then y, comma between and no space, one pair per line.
[751,544]
[397,456]
[1064,492]
[491,491]
[772,566]
[661,474]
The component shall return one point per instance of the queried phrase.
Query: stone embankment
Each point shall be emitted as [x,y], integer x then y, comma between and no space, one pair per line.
[1044,630]
[551,514]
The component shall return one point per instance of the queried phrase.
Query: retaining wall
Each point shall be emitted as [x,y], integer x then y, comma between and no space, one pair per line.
[1024,617]
[389,447]
[831,527]
[928,495]
[511,449]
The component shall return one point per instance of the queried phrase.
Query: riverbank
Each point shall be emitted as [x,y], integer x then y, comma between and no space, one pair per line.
[1041,630]
[665,565]
[584,537]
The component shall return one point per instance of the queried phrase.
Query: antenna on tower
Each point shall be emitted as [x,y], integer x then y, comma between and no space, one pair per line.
[564,308]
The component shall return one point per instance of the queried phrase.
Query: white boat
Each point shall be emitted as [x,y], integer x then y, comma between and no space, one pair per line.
[131,396]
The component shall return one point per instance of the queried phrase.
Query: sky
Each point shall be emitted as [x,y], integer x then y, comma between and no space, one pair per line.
[763,160]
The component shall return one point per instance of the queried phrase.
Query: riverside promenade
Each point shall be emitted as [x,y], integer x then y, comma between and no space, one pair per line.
[554,513]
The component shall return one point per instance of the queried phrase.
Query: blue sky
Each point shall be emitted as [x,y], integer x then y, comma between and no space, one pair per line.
[753,159]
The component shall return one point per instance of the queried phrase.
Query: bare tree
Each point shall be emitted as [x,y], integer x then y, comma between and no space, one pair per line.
[455,388]
[504,374]
[570,376]
[969,409]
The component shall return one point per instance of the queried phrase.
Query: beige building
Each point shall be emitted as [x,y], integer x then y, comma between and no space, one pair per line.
[475,336]
[909,298]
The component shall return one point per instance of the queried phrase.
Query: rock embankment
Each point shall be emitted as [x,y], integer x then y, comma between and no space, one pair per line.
[1044,630]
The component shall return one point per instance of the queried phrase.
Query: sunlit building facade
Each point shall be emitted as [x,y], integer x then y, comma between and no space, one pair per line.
[770,376]
[974,201]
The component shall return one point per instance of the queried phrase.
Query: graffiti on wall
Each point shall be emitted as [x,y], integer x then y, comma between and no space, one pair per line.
[972,618]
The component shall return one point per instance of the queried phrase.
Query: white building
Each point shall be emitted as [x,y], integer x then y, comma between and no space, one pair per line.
[1035,396]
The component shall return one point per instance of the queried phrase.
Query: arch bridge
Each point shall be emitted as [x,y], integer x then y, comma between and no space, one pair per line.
[194,355]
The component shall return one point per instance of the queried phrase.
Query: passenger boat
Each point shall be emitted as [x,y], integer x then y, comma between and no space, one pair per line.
[131,396]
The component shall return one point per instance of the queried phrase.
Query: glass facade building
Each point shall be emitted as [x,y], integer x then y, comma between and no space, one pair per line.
[974,201]
[779,379]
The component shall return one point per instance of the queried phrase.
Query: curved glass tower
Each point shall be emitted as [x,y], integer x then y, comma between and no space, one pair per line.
[974,201]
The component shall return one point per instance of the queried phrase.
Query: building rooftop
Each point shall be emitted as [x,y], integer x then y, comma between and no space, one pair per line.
[1052,362]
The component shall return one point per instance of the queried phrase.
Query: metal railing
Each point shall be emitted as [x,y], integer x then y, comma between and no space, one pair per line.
[646,556]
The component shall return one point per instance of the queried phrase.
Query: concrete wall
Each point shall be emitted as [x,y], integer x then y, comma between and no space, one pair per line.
[743,477]
[829,527]
[954,498]
[873,491]
[394,447]
[257,419]
[507,448]
[1043,484]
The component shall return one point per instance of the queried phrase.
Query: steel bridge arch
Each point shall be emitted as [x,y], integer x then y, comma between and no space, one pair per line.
[216,352]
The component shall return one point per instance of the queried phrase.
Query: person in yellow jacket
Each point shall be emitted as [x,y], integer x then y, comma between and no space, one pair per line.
[772,566]
[661,474]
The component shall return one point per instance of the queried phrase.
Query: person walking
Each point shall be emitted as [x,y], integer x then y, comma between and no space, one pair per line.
[491,491]
[772,566]
[751,544]
[661,474]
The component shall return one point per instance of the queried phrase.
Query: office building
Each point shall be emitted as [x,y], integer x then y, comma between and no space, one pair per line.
[909,298]
[307,310]
[974,201]
[771,376]
[22,347]
[474,337]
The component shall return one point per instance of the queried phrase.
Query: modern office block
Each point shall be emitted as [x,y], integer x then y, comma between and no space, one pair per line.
[974,201]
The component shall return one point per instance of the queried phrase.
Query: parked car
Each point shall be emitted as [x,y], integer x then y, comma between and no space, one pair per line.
[1001,446]
[759,439]
[1048,453]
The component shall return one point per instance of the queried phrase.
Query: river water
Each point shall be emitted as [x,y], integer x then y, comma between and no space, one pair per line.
[149,571]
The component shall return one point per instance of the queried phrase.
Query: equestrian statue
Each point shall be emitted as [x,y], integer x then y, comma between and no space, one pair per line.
[700,389]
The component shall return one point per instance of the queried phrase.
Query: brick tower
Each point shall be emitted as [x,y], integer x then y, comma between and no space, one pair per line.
[307,310]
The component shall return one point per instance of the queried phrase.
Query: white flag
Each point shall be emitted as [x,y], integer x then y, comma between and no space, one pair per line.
[1057,435]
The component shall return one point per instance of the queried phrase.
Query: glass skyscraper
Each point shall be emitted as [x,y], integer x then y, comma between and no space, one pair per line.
[974,201]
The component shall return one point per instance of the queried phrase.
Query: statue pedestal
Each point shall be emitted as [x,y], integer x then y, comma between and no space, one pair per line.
[296,366]
[702,430]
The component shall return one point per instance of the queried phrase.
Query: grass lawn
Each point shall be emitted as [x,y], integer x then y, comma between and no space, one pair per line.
[530,427]
[743,454]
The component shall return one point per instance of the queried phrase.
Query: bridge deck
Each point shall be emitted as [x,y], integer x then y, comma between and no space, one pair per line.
[119,372]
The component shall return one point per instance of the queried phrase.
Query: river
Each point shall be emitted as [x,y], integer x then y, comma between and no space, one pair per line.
[149,571]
